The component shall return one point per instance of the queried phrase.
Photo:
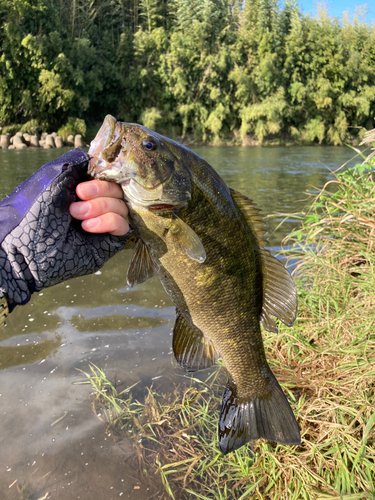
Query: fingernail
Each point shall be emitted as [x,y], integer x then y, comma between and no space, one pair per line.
[91,223]
[89,189]
[80,208]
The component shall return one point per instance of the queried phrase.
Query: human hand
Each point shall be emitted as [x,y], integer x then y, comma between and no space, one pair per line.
[102,209]
[41,244]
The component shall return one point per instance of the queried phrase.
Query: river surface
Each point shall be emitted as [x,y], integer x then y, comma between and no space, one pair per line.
[52,445]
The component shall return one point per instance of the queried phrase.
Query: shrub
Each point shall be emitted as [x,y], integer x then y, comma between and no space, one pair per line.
[10,129]
[72,127]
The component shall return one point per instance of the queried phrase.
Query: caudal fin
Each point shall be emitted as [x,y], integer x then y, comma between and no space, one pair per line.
[247,419]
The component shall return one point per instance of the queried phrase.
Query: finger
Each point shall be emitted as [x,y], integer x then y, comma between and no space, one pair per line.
[111,223]
[83,210]
[98,189]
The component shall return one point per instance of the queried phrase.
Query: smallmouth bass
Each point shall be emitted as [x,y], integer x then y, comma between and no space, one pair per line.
[205,242]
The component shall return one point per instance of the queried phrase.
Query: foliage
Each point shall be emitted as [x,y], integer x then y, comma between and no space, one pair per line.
[10,129]
[30,127]
[72,127]
[208,68]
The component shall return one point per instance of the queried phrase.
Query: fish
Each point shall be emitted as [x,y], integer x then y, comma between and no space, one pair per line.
[206,243]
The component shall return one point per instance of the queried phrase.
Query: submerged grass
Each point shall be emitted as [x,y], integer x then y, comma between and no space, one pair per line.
[325,363]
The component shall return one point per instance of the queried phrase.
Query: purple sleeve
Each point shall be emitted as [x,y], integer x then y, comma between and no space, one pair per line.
[15,206]
[40,244]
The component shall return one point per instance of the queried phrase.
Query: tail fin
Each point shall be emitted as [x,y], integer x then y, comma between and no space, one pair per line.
[247,419]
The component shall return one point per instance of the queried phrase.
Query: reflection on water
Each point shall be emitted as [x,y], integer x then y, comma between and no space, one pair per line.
[50,440]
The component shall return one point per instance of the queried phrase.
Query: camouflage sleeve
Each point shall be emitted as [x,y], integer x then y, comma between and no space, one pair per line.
[40,244]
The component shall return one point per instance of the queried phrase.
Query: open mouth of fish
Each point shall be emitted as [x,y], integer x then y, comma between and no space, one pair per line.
[106,165]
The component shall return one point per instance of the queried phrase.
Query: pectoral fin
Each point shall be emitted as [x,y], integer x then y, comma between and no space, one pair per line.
[131,241]
[279,290]
[186,239]
[192,351]
[142,266]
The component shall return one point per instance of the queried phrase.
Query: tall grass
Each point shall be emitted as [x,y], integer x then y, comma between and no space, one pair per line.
[326,365]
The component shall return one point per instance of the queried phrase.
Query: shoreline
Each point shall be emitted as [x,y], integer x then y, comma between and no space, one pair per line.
[233,139]
[223,144]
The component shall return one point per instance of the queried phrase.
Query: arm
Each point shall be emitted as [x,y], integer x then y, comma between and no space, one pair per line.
[41,244]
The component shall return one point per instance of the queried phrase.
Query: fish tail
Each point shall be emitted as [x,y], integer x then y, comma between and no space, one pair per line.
[244,419]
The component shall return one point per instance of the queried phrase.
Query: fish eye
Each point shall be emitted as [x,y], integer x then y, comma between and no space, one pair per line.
[149,145]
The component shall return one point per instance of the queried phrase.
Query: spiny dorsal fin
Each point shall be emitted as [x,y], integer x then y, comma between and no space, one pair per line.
[141,266]
[192,351]
[186,239]
[279,290]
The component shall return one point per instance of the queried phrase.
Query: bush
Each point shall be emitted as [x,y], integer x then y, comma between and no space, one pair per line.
[150,117]
[31,127]
[10,129]
[72,127]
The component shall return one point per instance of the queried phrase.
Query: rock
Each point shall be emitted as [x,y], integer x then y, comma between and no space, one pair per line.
[5,141]
[18,141]
[70,140]
[19,134]
[54,135]
[26,138]
[12,147]
[78,141]
[34,141]
[59,142]
[44,135]
[11,140]
[50,140]
[47,146]
[249,140]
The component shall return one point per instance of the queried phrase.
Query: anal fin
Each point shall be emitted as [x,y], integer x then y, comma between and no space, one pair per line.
[192,350]
[141,266]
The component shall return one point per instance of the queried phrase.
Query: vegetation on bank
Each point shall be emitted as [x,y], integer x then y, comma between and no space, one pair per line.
[214,69]
[325,363]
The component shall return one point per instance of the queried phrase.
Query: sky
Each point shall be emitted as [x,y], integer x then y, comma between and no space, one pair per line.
[337,7]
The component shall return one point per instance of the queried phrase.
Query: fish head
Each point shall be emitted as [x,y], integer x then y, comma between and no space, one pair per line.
[143,162]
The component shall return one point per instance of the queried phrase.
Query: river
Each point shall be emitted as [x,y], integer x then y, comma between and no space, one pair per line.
[52,445]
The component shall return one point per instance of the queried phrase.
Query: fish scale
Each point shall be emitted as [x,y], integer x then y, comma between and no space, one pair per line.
[206,244]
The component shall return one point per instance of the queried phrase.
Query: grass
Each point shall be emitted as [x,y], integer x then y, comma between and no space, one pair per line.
[325,363]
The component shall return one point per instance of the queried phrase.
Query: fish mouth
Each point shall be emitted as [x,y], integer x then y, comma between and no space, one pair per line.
[152,198]
[103,139]
[110,161]
[141,194]
[164,207]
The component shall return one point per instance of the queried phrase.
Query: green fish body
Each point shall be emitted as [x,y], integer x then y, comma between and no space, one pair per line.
[205,242]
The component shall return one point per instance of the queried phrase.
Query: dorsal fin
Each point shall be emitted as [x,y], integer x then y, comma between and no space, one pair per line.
[279,290]
[141,266]
[192,350]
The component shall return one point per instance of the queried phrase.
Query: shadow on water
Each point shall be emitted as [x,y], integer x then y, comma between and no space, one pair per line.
[51,442]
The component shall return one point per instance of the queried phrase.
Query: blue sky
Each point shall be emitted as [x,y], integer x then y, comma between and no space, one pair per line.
[337,7]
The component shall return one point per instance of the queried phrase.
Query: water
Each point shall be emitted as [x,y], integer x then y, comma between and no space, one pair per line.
[50,440]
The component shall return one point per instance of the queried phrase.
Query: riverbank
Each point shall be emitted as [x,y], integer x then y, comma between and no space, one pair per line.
[22,140]
[325,363]
[250,140]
